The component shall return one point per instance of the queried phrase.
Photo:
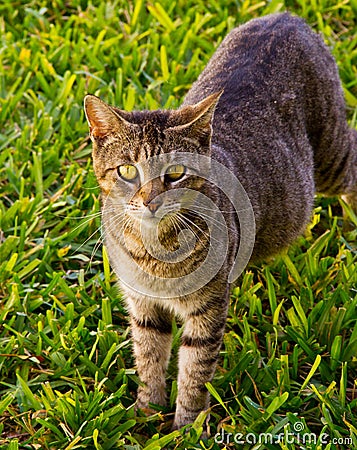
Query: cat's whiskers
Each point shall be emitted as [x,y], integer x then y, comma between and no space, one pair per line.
[187,226]
[208,236]
[99,242]
[116,223]
[218,224]
[173,220]
[90,216]
[105,229]
[127,222]
[93,234]
[184,220]
[209,218]
[88,219]
[101,229]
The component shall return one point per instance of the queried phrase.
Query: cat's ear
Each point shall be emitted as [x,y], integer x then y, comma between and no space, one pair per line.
[102,118]
[198,117]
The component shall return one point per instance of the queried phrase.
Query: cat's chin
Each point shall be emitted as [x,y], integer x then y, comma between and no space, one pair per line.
[150,223]
[148,220]
[147,223]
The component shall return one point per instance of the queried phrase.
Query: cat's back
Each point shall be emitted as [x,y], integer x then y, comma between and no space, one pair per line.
[277,76]
[261,59]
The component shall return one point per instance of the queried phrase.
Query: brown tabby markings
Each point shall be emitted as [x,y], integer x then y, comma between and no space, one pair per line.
[280,126]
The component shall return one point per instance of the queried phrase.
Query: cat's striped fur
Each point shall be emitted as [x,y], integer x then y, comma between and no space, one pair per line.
[280,125]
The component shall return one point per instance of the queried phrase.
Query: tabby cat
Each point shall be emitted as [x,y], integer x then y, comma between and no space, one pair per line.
[269,107]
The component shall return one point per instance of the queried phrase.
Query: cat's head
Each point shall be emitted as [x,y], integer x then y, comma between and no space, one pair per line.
[139,157]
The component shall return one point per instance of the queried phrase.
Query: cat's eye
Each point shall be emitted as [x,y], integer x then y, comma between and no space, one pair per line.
[128,172]
[175,172]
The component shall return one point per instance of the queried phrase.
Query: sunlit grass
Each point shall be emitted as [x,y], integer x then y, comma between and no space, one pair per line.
[67,377]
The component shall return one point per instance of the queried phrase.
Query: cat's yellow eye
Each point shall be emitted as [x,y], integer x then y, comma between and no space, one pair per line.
[175,172]
[128,172]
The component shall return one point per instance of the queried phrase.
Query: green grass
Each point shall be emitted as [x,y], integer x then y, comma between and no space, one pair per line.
[67,381]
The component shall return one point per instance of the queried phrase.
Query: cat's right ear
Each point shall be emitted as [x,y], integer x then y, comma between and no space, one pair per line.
[102,119]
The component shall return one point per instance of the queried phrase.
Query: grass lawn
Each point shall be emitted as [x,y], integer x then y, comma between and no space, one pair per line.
[288,366]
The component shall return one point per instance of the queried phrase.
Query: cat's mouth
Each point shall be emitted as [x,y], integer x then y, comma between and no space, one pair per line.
[154,213]
[151,219]
[162,220]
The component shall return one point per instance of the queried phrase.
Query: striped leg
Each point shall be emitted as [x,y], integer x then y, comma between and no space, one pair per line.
[201,343]
[151,332]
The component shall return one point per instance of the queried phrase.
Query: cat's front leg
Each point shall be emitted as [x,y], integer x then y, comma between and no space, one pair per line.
[151,334]
[200,346]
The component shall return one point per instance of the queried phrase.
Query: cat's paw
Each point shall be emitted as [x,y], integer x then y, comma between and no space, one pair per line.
[154,396]
[184,417]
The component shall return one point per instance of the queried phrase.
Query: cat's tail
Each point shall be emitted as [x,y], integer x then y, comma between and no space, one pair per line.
[336,164]
[334,143]
[341,176]
[349,175]
[336,174]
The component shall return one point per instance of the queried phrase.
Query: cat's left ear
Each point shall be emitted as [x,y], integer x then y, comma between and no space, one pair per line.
[196,119]
[103,120]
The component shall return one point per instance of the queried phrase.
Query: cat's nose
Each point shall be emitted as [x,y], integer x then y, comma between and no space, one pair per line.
[153,206]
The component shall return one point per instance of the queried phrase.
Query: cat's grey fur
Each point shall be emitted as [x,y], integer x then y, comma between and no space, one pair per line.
[280,126]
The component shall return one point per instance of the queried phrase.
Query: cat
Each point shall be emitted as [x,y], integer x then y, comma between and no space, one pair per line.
[269,107]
